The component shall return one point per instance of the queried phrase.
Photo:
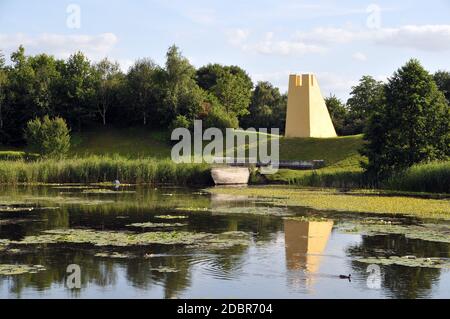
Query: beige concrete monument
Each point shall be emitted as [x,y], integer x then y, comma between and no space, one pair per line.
[307,114]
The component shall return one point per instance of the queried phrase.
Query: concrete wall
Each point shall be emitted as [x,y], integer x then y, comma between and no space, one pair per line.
[307,114]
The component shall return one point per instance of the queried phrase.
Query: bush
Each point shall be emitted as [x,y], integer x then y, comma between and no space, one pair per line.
[48,137]
[219,118]
[180,121]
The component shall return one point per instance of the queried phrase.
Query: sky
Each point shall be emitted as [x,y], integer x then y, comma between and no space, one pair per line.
[339,41]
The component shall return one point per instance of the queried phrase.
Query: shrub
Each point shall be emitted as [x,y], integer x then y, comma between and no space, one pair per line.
[180,121]
[48,137]
[219,118]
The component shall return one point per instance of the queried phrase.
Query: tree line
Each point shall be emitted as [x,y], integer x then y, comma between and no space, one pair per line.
[87,94]
[405,120]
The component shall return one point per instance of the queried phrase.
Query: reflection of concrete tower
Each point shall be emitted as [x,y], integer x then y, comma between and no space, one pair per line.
[305,241]
[307,113]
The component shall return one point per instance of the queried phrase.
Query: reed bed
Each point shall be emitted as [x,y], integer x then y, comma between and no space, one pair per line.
[97,169]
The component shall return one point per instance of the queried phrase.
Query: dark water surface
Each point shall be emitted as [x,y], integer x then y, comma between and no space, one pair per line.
[283,259]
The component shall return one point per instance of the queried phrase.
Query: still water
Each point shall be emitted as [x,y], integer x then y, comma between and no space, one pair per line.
[281,257]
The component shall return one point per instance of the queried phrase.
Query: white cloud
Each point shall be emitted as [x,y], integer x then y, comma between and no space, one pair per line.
[319,40]
[94,46]
[424,37]
[237,36]
[419,37]
[268,45]
[326,36]
[359,56]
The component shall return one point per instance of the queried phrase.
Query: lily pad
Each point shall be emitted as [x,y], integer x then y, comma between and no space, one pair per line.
[257,210]
[114,255]
[165,269]
[426,232]
[171,217]
[13,270]
[156,225]
[123,239]
[408,261]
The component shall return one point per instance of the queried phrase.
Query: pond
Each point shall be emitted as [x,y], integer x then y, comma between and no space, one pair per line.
[169,242]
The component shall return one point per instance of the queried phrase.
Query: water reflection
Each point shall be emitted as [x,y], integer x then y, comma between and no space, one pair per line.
[303,259]
[305,242]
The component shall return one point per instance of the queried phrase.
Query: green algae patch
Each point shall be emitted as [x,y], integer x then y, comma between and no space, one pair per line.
[124,239]
[425,232]
[333,200]
[409,261]
[256,210]
[171,217]
[14,270]
[308,219]
[165,269]
[114,255]
[156,225]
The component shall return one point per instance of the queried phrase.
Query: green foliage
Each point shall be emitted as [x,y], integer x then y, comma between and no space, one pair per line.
[267,108]
[108,79]
[142,90]
[442,79]
[338,113]
[48,137]
[182,95]
[180,122]
[364,98]
[220,118]
[230,84]
[411,126]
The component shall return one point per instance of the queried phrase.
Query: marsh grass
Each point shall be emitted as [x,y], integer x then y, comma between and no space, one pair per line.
[432,177]
[97,169]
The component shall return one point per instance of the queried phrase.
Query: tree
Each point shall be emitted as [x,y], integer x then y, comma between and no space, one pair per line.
[362,101]
[44,79]
[338,113]
[49,137]
[411,125]
[230,84]
[182,95]
[267,108]
[3,85]
[143,88]
[108,79]
[76,90]
[442,79]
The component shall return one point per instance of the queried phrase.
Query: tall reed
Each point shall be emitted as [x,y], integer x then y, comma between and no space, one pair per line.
[95,169]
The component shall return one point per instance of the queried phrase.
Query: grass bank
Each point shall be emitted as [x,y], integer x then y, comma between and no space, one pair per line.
[95,169]
[357,201]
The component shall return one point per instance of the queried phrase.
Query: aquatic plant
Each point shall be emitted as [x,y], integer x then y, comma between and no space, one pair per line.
[408,261]
[426,232]
[333,200]
[171,217]
[13,270]
[155,225]
[123,239]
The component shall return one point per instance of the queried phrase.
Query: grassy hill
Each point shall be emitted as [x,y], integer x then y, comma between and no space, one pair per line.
[338,153]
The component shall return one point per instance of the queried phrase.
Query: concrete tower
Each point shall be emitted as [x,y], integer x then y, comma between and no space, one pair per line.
[307,114]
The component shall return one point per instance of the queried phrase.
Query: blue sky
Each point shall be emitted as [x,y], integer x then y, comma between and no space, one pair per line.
[339,41]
